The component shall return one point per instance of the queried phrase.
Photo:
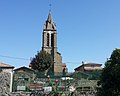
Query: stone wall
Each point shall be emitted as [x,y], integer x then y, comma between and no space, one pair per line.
[5,84]
[20,94]
[5,79]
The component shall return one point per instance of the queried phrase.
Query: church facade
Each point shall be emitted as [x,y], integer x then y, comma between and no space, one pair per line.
[49,44]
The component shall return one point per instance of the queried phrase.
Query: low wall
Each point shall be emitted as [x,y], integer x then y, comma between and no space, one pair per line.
[20,94]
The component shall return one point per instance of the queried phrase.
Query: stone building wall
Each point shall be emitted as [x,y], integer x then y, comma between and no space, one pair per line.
[5,84]
[58,63]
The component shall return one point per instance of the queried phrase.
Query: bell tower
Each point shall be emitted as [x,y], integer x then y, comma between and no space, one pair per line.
[49,35]
[49,43]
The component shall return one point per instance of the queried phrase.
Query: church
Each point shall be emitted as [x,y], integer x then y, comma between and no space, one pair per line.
[49,44]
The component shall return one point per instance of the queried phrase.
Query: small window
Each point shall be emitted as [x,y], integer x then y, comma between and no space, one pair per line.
[52,40]
[47,39]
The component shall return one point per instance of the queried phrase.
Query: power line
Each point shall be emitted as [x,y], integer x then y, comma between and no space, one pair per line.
[14,57]
[11,57]
[20,58]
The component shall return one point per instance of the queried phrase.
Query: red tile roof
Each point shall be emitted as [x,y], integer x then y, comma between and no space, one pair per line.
[3,65]
[88,65]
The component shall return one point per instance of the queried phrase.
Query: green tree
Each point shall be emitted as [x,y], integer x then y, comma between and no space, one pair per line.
[94,75]
[110,78]
[42,61]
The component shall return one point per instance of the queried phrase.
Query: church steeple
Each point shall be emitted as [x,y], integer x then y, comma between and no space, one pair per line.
[50,43]
[49,24]
[49,35]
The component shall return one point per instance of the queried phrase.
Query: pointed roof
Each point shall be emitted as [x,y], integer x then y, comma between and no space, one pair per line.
[49,19]
[23,68]
[49,24]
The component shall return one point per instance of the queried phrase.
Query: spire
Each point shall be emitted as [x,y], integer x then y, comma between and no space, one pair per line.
[49,24]
[49,19]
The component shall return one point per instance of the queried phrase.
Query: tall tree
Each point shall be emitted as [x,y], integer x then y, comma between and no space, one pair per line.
[110,78]
[42,61]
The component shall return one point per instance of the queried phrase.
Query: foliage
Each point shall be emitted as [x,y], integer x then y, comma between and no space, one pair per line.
[42,61]
[55,84]
[110,78]
[80,75]
[94,75]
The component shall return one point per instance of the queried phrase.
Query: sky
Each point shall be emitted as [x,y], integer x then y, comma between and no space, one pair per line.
[87,30]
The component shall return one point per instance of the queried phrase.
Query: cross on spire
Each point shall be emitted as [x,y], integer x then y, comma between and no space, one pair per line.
[50,6]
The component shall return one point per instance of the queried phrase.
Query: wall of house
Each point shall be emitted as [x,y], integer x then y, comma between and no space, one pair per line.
[5,79]
[92,68]
[7,70]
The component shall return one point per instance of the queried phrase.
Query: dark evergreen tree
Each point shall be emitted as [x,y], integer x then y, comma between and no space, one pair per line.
[42,61]
[110,78]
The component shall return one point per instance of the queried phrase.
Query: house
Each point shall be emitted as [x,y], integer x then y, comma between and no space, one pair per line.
[21,78]
[88,67]
[5,78]
[6,67]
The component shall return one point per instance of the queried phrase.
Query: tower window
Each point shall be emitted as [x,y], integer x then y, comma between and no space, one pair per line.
[52,40]
[48,39]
